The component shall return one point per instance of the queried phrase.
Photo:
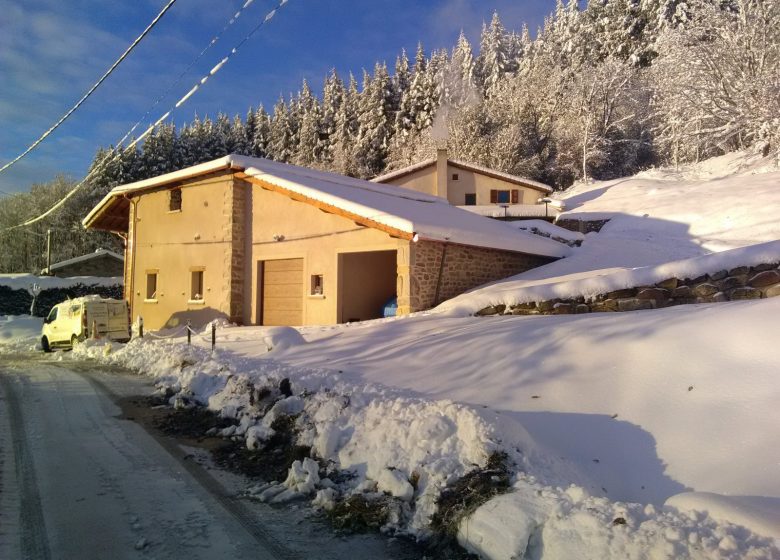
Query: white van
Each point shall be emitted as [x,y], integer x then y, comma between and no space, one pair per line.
[75,319]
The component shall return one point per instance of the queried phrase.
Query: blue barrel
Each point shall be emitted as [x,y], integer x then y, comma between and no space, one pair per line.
[391,307]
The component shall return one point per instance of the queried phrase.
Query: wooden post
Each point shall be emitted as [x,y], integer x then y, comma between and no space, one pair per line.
[94,329]
[213,335]
[48,252]
[140,326]
[189,334]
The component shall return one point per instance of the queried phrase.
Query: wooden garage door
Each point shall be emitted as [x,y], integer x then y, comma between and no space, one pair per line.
[283,292]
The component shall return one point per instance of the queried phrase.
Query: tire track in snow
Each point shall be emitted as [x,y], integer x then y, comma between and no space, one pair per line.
[34,540]
[270,547]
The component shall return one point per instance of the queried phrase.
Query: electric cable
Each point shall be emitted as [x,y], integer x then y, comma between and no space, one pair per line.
[159,121]
[93,88]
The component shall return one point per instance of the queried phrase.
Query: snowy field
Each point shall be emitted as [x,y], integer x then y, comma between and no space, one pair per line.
[650,434]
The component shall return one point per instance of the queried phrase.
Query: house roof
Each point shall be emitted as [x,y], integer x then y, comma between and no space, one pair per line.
[97,254]
[401,212]
[515,179]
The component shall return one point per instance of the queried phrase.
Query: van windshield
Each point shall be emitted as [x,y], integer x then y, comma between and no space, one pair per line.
[52,315]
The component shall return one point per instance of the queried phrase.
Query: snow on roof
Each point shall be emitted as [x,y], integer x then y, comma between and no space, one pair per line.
[464,165]
[427,216]
[24,281]
[403,171]
[411,212]
[82,258]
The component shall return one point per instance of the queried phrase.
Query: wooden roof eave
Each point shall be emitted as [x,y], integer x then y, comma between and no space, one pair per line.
[113,216]
[328,208]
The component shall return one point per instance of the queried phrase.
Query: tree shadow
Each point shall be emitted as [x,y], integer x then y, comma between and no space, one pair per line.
[620,457]
[196,317]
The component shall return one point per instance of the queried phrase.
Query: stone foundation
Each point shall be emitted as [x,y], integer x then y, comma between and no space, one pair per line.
[739,283]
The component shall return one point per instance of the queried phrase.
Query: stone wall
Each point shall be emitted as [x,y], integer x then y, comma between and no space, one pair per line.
[464,268]
[739,283]
[103,265]
[17,302]
[235,214]
[582,226]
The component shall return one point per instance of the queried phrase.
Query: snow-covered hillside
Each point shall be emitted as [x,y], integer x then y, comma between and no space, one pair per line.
[649,434]
[657,217]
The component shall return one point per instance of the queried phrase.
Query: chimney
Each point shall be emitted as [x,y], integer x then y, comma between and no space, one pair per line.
[441,172]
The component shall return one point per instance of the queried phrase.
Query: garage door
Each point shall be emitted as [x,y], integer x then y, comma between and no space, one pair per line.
[283,292]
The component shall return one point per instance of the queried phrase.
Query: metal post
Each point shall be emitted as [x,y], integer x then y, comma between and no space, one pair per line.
[189,334]
[213,335]
[140,326]
[48,252]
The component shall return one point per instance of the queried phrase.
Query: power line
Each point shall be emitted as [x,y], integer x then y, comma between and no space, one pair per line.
[93,88]
[111,155]
[162,96]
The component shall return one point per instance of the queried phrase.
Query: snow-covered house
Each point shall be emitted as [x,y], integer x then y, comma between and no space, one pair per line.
[100,263]
[260,242]
[475,188]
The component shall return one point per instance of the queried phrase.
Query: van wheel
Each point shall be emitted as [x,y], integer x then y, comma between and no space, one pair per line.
[45,344]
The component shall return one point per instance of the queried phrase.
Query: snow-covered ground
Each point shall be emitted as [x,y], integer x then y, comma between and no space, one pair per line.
[650,434]
[19,333]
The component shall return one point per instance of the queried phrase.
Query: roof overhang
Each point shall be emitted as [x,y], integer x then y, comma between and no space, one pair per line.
[112,213]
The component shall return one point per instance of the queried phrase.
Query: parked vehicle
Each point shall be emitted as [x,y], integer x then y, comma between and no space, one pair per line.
[75,320]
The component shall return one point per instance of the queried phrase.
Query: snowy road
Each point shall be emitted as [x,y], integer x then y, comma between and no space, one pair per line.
[77,481]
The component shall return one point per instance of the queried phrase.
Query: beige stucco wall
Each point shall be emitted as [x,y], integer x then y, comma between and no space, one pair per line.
[424,180]
[172,243]
[315,236]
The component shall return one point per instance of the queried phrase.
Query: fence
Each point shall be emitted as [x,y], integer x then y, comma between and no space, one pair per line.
[188,328]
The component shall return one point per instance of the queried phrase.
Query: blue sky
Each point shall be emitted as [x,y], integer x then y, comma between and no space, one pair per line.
[52,51]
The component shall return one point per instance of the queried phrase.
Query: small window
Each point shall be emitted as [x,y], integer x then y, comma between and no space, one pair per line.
[454,176]
[174,200]
[503,197]
[196,285]
[151,285]
[471,199]
[316,285]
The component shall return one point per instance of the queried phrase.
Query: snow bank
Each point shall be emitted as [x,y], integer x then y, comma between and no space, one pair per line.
[19,333]
[384,436]
[759,512]
[525,288]
[535,521]
[389,437]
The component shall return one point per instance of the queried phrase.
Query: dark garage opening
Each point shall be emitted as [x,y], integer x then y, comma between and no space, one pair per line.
[367,283]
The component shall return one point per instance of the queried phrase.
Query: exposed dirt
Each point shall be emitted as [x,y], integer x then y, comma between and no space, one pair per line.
[189,425]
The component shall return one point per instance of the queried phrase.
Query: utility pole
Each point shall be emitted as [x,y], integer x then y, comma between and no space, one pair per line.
[48,252]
